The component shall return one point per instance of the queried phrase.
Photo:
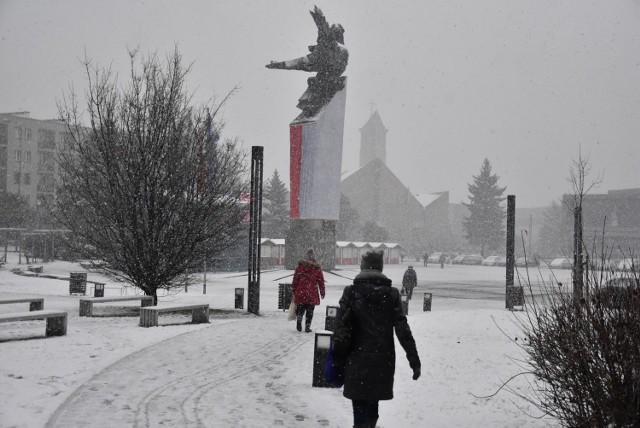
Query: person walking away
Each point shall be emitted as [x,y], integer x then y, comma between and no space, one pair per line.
[307,281]
[409,281]
[375,313]
[442,259]
[425,258]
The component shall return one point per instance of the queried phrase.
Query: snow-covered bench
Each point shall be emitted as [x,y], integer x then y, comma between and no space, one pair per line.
[56,320]
[35,304]
[86,305]
[149,315]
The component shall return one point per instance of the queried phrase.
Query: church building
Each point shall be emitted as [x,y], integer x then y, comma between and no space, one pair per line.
[419,222]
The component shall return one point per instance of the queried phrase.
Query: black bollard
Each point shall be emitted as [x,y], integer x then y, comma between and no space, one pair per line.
[320,352]
[330,320]
[426,304]
[98,291]
[78,283]
[284,296]
[239,303]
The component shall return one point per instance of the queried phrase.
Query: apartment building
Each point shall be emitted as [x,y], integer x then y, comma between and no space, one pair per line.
[28,150]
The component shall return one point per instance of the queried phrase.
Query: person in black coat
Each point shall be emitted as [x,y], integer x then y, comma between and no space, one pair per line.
[409,281]
[376,311]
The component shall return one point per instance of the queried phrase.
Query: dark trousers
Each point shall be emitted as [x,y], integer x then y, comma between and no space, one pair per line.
[364,411]
[408,290]
[301,310]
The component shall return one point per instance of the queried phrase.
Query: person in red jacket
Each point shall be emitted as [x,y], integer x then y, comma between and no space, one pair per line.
[307,280]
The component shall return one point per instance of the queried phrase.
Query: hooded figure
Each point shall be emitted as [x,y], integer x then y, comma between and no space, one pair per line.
[307,281]
[409,281]
[376,313]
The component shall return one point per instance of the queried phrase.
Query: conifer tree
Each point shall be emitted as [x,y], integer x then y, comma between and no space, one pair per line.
[275,208]
[555,234]
[349,226]
[485,225]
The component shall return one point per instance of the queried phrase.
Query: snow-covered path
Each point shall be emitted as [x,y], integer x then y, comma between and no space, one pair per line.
[203,378]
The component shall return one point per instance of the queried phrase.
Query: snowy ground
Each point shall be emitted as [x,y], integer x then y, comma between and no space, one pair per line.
[242,370]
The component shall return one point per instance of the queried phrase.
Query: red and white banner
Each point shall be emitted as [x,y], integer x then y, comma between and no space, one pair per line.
[316,162]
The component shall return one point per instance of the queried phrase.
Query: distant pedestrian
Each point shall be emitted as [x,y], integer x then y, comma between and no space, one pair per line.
[409,281]
[425,258]
[376,311]
[307,282]
[442,259]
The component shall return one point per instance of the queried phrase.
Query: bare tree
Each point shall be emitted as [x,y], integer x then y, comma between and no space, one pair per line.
[578,173]
[581,351]
[583,354]
[146,186]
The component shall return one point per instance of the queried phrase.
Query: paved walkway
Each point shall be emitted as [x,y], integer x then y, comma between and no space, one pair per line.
[233,373]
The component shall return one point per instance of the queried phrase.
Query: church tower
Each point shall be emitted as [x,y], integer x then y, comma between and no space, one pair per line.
[373,140]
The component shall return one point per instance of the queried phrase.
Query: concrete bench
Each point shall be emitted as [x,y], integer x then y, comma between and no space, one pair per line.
[149,315]
[86,305]
[35,304]
[35,269]
[56,320]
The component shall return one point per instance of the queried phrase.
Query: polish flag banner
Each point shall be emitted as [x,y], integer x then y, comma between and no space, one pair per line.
[316,162]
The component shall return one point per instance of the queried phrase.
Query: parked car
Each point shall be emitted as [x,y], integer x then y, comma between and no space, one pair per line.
[458,259]
[434,258]
[494,261]
[621,281]
[629,264]
[526,261]
[500,261]
[472,259]
[606,265]
[618,292]
[561,263]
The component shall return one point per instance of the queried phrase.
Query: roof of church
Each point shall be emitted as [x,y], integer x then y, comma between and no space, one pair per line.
[373,119]
[424,199]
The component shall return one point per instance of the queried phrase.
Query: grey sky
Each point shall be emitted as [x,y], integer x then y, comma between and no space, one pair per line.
[523,83]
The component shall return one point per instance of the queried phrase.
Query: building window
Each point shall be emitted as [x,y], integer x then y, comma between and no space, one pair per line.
[27,157]
[45,157]
[16,178]
[28,133]
[18,132]
[27,178]
[47,140]
[18,155]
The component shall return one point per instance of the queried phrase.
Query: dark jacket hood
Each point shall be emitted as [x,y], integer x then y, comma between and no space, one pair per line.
[371,276]
[372,285]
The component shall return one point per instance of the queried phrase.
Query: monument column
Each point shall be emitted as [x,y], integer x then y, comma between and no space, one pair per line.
[316,137]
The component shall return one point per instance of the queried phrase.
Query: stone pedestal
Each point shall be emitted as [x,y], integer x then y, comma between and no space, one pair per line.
[318,234]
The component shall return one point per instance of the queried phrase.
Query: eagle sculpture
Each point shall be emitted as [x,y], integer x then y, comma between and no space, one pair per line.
[328,58]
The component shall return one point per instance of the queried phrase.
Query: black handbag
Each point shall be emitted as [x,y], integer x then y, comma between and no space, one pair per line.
[339,348]
[342,336]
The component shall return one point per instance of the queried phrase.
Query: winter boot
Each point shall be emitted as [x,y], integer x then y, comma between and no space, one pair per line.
[299,325]
[364,425]
[307,328]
